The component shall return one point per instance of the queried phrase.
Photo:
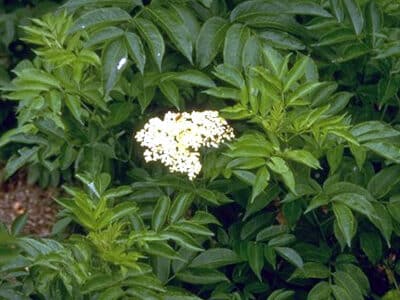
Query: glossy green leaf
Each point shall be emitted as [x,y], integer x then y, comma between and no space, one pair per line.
[115,58]
[371,244]
[261,182]
[345,220]
[174,27]
[135,50]
[210,40]
[320,291]
[215,258]
[100,17]
[255,253]
[349,284]
[160,213]
[153,38]
[235,39]
[312,270]
[179,206]
[291,256]
[202,276]
[279,166]
[304,157]
[355,14]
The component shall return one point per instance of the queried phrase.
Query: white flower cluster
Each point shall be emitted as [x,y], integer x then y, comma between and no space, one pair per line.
[175,141]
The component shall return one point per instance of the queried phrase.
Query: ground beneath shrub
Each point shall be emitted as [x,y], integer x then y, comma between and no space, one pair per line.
[18,197]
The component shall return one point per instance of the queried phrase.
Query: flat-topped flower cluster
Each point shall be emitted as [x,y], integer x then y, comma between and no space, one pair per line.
[175,141]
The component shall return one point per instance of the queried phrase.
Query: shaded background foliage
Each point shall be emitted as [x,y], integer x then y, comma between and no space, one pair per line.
[304,204]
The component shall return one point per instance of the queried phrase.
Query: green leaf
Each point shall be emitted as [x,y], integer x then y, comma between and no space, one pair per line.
[317,201]
[153,38]
[373,130]
[19,224]
[261,182]
[384,181]
[307,8]
[104,35]
[112,293]
[255,253]
[356,202]
[282,240]
[174,27]
[279,166]
[304,157]
[345,220]
[160,213]
[206,3]
[292,212]
[100,17]
[136,50]
[382,220]
[385,150]
[145,97]
[270,256]
[74,105]
[295,73]
[171,92]
[320,291]
[340,293]
[74,4]
[334,157]
[120,211]
[338,9]
[252,9]
[356,16]
[19,160]
[189,17]
[193,228]
[6,137]
[230,75]
[162,249]
[39,76]
[282,40]
[371,244]
[302,91]
[194,77]
[224,93]
[349,284]
[281,294]
[215,258]
[373,16]
[119,113]
[271,232]
[246,163]
[235,39]
[201,276]
[115,58]
[336,36]
[179,206]
[183,239]
[251,227]
[99,282]
[251,51]
[291,256]
[312,270]
[203,218]
[210,40]
[391,295]
[358,276]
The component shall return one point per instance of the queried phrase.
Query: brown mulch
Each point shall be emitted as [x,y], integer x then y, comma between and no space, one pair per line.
[18,197]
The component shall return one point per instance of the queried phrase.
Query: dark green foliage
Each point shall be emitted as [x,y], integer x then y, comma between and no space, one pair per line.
[304,203]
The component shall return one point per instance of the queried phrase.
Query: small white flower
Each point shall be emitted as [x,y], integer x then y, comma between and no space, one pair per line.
[175,141]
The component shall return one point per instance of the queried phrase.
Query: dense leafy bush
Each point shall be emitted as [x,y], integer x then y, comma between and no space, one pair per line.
[304,203]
